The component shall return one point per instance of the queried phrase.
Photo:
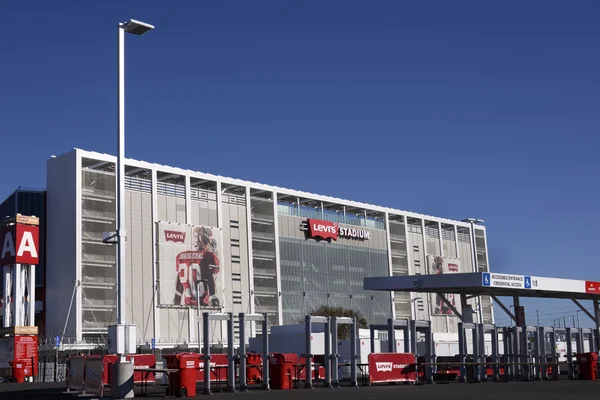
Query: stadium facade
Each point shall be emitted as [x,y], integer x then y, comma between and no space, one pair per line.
[200,241]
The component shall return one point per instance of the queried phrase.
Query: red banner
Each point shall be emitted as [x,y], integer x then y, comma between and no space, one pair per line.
[392,367]
[592,287]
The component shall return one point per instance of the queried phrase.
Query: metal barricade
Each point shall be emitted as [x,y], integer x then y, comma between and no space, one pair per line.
[75,373]
[92,382]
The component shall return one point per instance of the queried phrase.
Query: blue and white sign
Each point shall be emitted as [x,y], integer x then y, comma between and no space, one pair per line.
[57,341]
[486,281]
[507,281]
[153,344]
[527,282]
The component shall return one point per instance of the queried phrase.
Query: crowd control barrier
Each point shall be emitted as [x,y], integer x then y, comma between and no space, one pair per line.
[85,374]
[282,370]
[218,368]
[392,367]
[139,361]
[75,373]
[254,364]
[92,376]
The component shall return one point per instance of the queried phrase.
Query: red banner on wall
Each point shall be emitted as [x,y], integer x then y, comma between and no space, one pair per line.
[392,367]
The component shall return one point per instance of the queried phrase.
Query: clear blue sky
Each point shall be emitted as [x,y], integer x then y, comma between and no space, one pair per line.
[456,109]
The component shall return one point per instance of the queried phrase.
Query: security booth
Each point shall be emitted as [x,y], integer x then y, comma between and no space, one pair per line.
[18,353]
[523,355]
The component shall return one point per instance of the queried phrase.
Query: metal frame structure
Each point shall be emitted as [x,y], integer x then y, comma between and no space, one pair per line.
[335,355]
[206,318]
[242,349]
[308,321]
[391,326]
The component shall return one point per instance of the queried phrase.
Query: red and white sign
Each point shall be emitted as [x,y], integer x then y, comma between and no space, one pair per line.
[19,244]
[392,367]
[331,230]
[322,229]
[175,236]
[592,287]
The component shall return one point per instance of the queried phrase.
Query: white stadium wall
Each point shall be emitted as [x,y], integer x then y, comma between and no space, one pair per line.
[268,261]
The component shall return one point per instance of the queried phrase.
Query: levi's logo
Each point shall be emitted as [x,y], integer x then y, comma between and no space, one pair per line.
[383,366]
[453,267]
[322,229]
[174,236]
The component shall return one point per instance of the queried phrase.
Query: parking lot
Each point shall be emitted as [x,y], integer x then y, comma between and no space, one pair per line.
[562,390]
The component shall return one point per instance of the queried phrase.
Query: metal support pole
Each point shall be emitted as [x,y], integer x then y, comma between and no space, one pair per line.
[430,357]
[413,337]
[335,381]
[206,352]
[507,344]
[265,335]
[569,339]
[495,358]
[308,333]
[542,353]
[372,336]
[462,350]
[230,355]
[597,321]
[476,353]
[353,356]
[525,368]
[553,355]
[391,336]
[327,358]
[242,353]
[405,338]
[481,353]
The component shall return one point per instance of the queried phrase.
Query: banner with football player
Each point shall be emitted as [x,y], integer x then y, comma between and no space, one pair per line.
[443,265]
[189,265]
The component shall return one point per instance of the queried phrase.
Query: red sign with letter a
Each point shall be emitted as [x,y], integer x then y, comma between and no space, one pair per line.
[392,367]
[19,244]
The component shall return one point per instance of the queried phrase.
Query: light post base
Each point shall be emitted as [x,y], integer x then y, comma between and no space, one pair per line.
[121,380]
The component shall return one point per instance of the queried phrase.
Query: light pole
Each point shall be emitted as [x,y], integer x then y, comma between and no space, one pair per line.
[124,373]
[578,323]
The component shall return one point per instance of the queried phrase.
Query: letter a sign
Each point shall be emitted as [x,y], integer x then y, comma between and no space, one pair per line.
[19,244]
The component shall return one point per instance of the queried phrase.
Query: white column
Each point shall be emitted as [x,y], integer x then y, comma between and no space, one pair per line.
[31,290]
[188,220]
[277,258]
[155,299]
[7,294]
[441,239]
[252,308]
[17,303]
[389,249]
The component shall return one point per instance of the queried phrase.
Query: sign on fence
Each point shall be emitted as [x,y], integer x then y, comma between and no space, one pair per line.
[392,367]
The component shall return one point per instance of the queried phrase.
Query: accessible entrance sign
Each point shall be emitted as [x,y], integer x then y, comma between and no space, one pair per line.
[490,279]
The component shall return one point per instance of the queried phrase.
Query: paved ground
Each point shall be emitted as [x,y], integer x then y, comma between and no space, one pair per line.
[563,390]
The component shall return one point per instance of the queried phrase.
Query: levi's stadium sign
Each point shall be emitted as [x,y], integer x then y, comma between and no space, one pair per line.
[331,230]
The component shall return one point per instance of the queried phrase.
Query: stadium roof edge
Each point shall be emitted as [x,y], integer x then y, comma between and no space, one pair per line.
[266,187]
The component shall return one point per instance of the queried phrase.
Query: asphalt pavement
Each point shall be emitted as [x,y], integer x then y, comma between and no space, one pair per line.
[561,390]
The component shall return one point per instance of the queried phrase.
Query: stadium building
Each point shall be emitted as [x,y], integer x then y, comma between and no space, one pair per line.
[198,241]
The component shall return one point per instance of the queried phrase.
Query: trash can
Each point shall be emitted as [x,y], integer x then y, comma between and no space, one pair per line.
[282,367]
[588,365]
[253,368]
[183,383]
[18,371]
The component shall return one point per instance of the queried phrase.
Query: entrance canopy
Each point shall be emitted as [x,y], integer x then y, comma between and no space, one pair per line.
[488,283]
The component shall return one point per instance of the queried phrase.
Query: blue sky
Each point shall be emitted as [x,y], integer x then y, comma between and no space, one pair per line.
[456,109]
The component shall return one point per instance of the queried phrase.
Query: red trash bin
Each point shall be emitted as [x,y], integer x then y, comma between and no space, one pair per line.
[282,369]
[18,371]
[183,382]
[588,365]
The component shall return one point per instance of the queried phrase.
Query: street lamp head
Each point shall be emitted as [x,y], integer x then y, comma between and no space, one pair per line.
[136,27]
[473,220]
